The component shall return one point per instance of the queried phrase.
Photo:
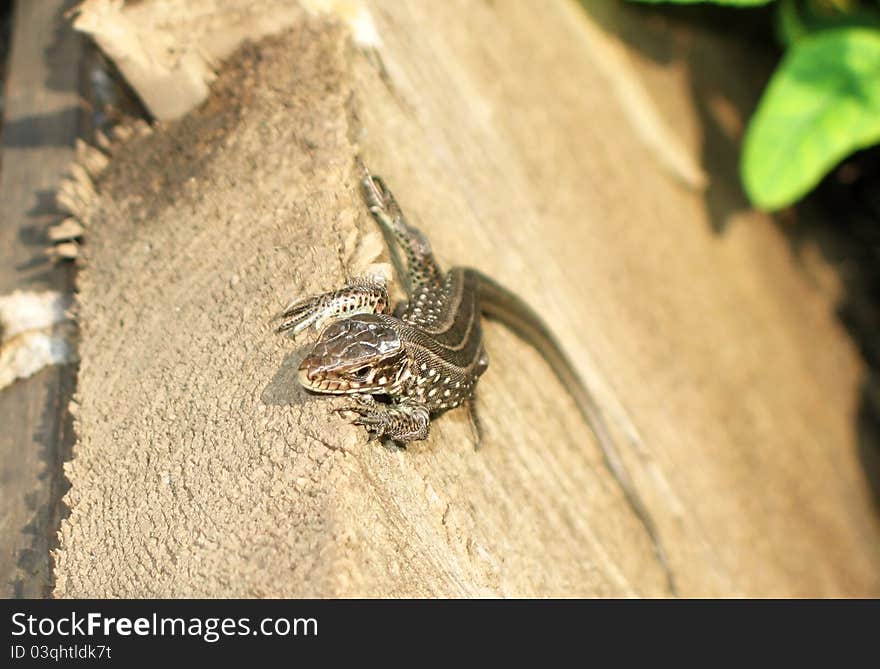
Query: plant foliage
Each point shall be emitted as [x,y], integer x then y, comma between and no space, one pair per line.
[822,102]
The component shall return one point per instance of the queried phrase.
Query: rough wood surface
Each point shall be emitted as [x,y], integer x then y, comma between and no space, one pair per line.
[203,470]
[39,131]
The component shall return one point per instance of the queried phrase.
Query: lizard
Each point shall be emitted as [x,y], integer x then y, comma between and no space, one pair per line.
[426,355]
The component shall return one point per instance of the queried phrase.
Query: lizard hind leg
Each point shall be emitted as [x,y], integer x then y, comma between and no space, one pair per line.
[476,423]
[481,366]
[422,268]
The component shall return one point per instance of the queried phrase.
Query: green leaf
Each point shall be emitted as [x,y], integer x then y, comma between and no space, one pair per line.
[731,3]
[790,26]
[795,20]
[822,103]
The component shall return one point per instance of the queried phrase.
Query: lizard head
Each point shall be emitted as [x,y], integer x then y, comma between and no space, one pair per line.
[360,354]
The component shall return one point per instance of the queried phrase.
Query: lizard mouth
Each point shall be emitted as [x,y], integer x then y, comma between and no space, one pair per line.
[310,380]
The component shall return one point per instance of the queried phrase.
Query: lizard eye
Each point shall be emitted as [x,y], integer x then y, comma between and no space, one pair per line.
[362,373]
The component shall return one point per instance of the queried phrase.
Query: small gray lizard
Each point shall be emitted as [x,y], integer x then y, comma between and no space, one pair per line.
[427,355]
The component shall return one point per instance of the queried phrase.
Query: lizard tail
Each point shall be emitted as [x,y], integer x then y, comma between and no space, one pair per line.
[504,306]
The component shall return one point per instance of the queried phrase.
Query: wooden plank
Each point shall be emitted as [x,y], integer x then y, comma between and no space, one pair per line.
[203,470]
[40,126]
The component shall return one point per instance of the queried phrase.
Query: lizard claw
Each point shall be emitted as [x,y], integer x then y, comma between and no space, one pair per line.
[375,425]
[367,414]
[363,402]
[298,315]
[353,409]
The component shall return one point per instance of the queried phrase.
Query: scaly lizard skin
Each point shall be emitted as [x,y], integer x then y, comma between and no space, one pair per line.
[427,355]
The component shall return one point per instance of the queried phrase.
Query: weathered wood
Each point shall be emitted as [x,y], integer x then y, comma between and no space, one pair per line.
[39,131]
[506,134]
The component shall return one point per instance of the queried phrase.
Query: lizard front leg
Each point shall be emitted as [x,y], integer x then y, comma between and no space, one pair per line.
[403,422]
[361,296]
